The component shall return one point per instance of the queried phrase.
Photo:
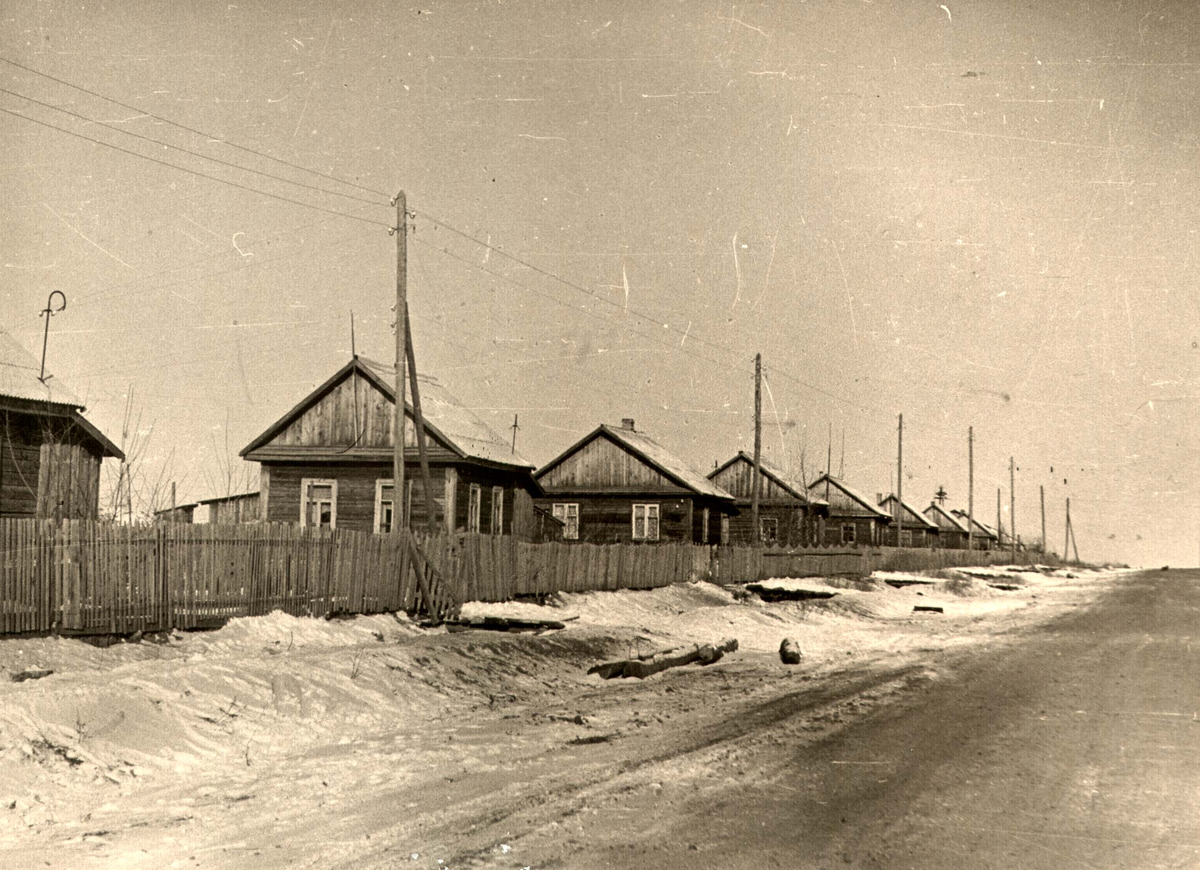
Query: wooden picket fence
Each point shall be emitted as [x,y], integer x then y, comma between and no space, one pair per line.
[97,578]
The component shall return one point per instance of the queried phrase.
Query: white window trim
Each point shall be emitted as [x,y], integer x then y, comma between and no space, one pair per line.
[380,483]
[648,509]
[474,506]
[309,482]
[704,527]
[562,511]
[497,510]
[724,538]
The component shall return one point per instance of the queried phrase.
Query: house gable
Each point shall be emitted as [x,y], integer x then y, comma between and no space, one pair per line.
[602,464]
[737,478]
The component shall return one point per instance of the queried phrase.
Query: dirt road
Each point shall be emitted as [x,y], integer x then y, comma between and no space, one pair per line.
[1079,747]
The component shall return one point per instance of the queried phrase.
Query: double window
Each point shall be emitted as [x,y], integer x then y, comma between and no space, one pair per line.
[568,515]
[906,538]
[848,533]
[645,522]
[318,503]
[768,530]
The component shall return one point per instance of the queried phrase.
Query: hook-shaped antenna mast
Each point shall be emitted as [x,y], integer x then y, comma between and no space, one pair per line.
[48,312]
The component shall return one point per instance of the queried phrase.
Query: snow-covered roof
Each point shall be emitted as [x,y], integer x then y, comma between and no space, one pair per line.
[19,377]
[795,487]
[953,521]
[851,492]
[980,528]
[910,511]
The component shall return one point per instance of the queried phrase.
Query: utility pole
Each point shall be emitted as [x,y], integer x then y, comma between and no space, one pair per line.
[900,484]
[515,427]
[399,521]
[829,460]
[756,534]
[1012,506]
[1067,534]
[1042,497]
[999,522]
[970,488]
[419,424]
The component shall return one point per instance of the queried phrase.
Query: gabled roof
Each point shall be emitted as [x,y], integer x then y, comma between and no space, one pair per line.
[910,511]
[980,528]
[649,451]
[795,488]
[19,380]
[446,419]
[223,498]
[852,493]
[955,524]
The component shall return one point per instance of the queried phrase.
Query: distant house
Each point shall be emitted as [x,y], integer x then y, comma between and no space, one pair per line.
[229,510]
[786,513]
[985,537]
[853,517]
[181,513]
[618,484]
[952,532]
[917,531]
[50,454]
[328,461]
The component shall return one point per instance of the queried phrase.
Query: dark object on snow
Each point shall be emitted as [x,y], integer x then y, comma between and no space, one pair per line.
[789,652]
[1007,587]
[136,637]
[774,593]
[1165,568]
[642,668]
[31,674]
[929,608]
[501,623]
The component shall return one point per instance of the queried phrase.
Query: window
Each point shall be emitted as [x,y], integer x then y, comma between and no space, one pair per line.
[497,510]
[645,522]
[769,530]
[318,503]
[906,539]
[473,508]
[385,502]
[848,533]
[724,530]
[568,515]
[704,527]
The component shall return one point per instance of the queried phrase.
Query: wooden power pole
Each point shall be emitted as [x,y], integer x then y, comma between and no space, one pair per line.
[900,483]
[1012,507]
[970,488]
[399,521]
[999,522]
[1042,497]
[756,534]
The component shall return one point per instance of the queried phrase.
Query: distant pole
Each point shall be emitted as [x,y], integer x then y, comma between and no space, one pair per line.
[1067,534]
[754,485]
[829,460]
[1012,506]
[399,520]
[970,487]
[515,427]
[172,501]
[900,483]
[842,461]
[48,312]
[999,521]
[1042,497]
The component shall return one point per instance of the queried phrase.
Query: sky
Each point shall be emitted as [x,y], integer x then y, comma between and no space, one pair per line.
[976,214]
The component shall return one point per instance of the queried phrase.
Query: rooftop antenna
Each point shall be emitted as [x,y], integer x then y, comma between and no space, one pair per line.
[48,312]
[353,352]
[842,461]
[941,495]
[514,427]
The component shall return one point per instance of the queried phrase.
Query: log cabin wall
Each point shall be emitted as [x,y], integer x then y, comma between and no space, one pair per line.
[20,464]
[48,470]
[608,519]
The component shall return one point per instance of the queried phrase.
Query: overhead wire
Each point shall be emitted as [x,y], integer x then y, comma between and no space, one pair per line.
[349,215]
[187,150]
[192,130]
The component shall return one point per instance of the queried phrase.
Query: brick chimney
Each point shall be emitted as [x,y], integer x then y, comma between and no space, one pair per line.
[627,423]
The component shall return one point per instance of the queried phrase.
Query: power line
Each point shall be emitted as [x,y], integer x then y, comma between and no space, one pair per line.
[685,334]
[349,215]
[219,139]
[187,150]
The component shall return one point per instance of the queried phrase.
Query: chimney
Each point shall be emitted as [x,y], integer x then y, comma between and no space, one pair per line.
[879,498]
[627,423]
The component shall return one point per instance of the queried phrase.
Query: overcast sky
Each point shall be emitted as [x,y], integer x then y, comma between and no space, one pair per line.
[975,214]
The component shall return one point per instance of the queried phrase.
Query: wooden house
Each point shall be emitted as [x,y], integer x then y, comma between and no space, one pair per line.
[985,537]
[328,461]
[952,532]
[914,531]
[617,484]
[181,513]
[786,514]
[50,454]
[231,510]
[853,517]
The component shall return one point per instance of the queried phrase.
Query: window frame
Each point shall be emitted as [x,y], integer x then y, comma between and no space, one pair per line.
[497,510]
[853,529]
[704,526]
[763,537]
[380,483]
[566,518]
[306,483]
[474,506]
[648,509]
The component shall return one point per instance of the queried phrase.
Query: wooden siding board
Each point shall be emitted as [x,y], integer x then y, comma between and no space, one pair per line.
[604,464]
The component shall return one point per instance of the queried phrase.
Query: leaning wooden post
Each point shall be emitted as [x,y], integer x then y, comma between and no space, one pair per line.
[419,425]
